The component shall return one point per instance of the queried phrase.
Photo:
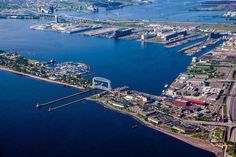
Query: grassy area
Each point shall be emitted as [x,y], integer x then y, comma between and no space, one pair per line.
[94,97]
[70,4]
[200,135]
[142,117]
[225,109]
[156,40]
[205,70]
[123,23]
[170,128]
[202,70]
[203,118]
[231,150]
[218,27]
[218,133]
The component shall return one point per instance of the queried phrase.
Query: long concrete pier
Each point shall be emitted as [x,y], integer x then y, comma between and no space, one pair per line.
[60,99]
[64,105]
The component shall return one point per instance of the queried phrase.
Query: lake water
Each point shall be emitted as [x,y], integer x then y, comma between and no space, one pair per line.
[84,129]
[169,10]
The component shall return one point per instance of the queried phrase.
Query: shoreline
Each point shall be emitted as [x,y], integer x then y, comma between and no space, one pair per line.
[196,142]
[199,143]
[39,78]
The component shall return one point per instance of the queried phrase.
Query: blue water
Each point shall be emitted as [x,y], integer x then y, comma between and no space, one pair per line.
[83,129]
[124,62]
[167,10]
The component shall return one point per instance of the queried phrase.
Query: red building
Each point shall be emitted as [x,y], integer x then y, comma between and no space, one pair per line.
[181,103]
[197,102]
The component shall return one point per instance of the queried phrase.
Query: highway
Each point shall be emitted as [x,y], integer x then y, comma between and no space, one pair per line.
[233,135]
[231,103]
[211,123]
[231,111]
[231,107]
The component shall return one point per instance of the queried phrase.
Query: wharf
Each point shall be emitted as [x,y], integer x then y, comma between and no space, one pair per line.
[195,48]
[183,40]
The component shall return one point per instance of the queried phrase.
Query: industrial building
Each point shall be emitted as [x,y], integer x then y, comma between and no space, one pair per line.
[175,35]
[170,35]
[122,32]
[181,103]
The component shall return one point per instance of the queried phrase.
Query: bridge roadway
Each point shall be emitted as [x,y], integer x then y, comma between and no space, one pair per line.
[64,15]
[230,128]
[227,80]
[224,124]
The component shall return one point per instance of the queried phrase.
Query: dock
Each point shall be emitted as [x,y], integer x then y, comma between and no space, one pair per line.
[197,47]
[189,38]
[192,46]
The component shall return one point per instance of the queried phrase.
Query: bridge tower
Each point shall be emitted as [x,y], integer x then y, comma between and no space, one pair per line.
[98,83]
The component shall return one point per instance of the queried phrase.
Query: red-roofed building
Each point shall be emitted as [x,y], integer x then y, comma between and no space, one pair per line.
[197,102]
[181,103]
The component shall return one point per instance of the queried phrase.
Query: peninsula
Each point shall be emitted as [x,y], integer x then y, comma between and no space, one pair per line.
[68,73]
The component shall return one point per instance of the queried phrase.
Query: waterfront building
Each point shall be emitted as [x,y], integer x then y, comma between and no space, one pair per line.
[183,129]
[170,35]
[122,32]
[197,102]
[147,35]
[153,120]
[117,104]
[175,35]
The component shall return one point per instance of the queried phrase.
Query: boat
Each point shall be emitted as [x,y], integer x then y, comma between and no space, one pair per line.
[166,85]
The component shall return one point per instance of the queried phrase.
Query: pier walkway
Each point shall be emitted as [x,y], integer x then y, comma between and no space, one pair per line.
[60,99]
[64,105]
